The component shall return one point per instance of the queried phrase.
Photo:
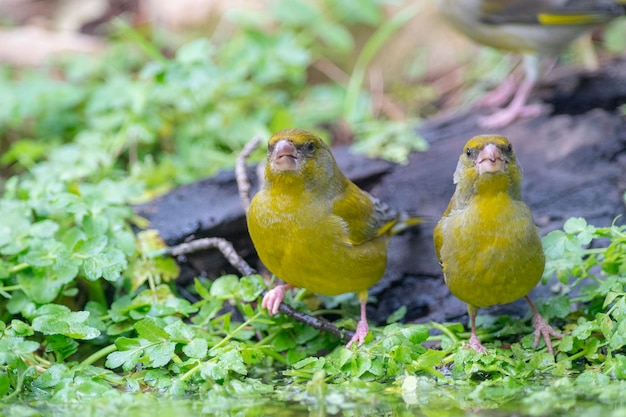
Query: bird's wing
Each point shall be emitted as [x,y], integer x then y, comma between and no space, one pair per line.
[365,216]
[511,11]
[438,232]
[549,12]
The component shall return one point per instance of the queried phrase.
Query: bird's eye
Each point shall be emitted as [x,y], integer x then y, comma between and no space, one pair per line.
[468,152]
[509,148]
[270,147]
[310,146]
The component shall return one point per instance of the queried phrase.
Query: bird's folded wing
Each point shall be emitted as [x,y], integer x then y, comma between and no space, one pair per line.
[365,216]
[547,12]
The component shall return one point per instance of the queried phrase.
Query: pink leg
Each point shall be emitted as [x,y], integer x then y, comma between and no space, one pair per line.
[501,95]
[474,342]
[518,107]
[361,328]
[542,328]
[274,298]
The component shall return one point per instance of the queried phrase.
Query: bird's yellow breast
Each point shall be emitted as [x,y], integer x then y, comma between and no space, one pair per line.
[491,252]
[307,246]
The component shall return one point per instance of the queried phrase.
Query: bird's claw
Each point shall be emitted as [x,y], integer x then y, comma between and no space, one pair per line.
[359,334]
[544,329]
[274,298]
[474,343]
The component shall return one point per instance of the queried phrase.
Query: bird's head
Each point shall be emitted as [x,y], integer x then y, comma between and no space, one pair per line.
[295,155]
[489,161]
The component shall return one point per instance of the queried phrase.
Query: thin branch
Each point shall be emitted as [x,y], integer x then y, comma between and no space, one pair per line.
[242,266]
[241,174]
[223,245]
[315,322]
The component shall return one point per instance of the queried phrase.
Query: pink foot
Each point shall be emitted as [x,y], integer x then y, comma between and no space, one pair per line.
[359,335]
[544,329]
[517,107]
[475,344]
[274,297]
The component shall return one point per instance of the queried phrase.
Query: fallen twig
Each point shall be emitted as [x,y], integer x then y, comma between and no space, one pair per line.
[223,245]
[242,266]
[241,174]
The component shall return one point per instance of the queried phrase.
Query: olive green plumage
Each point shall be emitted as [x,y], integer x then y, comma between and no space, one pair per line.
[528,26]
[486,241]
[314,228]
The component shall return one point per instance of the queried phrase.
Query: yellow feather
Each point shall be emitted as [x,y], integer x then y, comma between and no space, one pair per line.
[315,229]
[575,19]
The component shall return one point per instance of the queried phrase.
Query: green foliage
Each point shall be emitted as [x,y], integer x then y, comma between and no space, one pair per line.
[151,339]
[615,36]
[596,259]
[77,284]
[171,121]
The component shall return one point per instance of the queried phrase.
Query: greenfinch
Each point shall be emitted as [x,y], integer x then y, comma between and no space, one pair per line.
[486,241]
[530,27]
[314,228]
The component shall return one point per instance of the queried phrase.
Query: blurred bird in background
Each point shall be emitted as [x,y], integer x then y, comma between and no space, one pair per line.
[533,28]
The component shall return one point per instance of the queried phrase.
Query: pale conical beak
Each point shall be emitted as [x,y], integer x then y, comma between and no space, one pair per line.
[284,157]
[490,160]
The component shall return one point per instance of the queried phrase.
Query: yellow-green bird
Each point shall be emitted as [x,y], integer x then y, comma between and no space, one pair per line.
[486,241]
[533,28]
[314,228]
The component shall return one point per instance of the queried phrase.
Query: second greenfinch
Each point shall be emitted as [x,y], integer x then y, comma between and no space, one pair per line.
[532,28]
[314,228]
[486,241]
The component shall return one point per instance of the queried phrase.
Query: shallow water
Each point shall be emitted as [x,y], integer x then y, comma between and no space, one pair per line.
[415,396]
